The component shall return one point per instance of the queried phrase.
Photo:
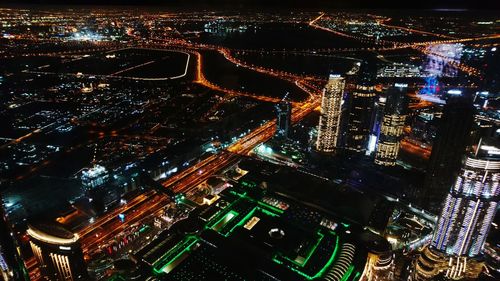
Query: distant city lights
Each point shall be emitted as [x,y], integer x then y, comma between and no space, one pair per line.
[87,36]
[454,92]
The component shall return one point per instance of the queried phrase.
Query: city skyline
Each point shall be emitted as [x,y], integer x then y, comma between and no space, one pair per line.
[359,4]
[249,140]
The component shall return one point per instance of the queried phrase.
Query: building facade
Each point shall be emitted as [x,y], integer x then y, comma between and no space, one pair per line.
[11,263]
[57,252]
[329,129]
[94,177]
[470,205]
[466,217]
[392,125]
[283,119]
[453,136]
[361,108]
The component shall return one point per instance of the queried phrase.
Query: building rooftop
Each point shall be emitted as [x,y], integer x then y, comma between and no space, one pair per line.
[52,233]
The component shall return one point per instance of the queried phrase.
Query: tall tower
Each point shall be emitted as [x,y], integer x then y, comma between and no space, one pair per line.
[284,118]
[11,264]
[331,111]
[377,123]
[58,252]
[465,219]
[393,122]
[452,140]
[361,100]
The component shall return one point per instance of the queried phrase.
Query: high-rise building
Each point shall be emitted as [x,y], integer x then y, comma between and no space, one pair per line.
[470,205]
[392,125]
[466,217]
[376,124]
[11,264]
[451,142]
[331,112]
[361,105]
[94,181]
[94,177]
[58,252]
[380,260]
[284,118]
[491,69]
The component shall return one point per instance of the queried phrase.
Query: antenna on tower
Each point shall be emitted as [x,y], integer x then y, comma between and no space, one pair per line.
[285,97]
[94,158]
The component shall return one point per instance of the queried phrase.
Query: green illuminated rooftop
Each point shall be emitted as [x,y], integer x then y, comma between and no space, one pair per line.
[243,221]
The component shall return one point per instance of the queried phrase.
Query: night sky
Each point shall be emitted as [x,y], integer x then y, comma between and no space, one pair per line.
[324,4]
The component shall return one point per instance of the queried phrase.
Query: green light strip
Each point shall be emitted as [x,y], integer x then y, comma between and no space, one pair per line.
[330,261]
[267,209]
[277,260]
[244,194]
[321,272]
[224,220]
[263,204]
[188,248]
[247,217]
[166,260]
[300,272]
[313,249]
[248,184]
[272,208]
[222,212]
[241,222]
[269,213]
[348,273]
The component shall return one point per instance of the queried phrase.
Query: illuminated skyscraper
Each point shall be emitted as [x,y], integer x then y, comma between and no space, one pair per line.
[466,217]
[11,264]
[284,118]
[94,182]
[58,252]
[94,177]
[392,124]
[448,149]
[376,124]
[380,261]
[361,104]
[470,205]
[331,111]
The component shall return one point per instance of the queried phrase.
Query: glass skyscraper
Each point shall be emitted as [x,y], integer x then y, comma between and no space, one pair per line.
[453,137]
[466,217]
[393,122]
[470,205]
[361,105]
[331,111]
